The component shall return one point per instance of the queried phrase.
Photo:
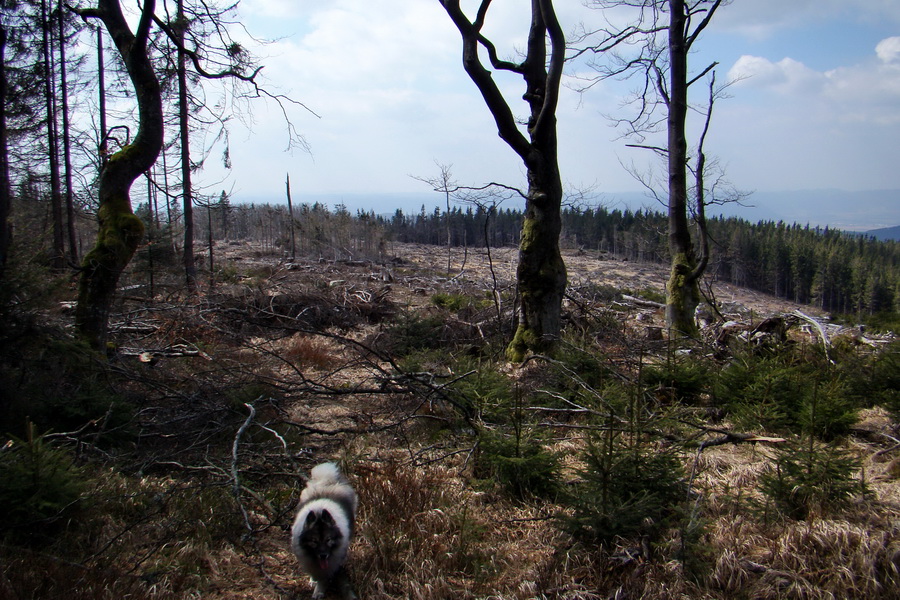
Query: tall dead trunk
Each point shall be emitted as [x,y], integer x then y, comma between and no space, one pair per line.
[187,193]
[5,190]
[287,188]
[58,256]
[120,231]
[103,148]
[67,153]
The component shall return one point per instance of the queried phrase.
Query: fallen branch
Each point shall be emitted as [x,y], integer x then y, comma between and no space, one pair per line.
[825,341]
[739,438]
[642,302]
[234,465]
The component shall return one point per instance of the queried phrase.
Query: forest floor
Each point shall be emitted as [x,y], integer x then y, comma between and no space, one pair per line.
[284,365]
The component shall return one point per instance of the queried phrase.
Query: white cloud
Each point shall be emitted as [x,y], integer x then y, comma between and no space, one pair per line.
[865,92]
[888,50]
[785,76]
[387,78]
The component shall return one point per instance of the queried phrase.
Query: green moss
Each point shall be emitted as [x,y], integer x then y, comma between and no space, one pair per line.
[124,155]
[526,339]
[118,237]
[681,296]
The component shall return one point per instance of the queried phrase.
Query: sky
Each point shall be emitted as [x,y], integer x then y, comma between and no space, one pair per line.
[814,101]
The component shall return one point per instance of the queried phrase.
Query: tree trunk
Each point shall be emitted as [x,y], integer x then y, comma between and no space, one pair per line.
[5,190]
[287,187]
[682,289]
[67,153]
[541,273]
[120,231]
[58,258]
[190,267]
[103,148]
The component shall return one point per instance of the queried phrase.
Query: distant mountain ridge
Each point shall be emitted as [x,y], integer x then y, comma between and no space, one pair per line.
[885,233]
[860,211]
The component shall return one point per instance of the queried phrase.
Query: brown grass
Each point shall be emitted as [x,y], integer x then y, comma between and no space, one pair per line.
[309,351]
[167,524]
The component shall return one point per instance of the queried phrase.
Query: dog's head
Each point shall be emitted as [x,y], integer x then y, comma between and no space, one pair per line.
[321,539]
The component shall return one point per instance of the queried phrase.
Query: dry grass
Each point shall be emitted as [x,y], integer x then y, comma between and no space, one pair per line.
[309,351]
[168,525]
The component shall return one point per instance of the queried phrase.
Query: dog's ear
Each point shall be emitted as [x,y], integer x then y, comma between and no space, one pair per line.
[327,518]
[311,518]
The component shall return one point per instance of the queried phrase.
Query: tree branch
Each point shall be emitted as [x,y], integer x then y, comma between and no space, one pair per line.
[546,121]
[507,127]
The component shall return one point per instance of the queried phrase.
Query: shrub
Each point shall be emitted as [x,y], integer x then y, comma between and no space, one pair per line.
[60,384]
[811,478]
[785,393]
[412,333]
[578,362]
[39,485]
[628,489]
[884,385]
[484,391]
[828,410]
[519,463]
[685,379]
[451,302]
[309,351]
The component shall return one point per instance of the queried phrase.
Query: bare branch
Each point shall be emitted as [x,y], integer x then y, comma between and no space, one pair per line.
[507,126]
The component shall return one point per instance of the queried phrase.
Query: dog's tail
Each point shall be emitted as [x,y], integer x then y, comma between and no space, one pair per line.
[326,473]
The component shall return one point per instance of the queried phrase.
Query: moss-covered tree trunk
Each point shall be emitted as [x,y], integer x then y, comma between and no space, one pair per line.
[682,290]
[541,274]
[120,231]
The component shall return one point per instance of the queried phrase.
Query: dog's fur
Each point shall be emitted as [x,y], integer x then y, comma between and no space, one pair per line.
[323,528]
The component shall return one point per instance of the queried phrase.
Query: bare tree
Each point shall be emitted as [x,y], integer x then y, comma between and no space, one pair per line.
[179,28]
[64,90]
[200,33]
[541,273]
[664,84]
[444,184]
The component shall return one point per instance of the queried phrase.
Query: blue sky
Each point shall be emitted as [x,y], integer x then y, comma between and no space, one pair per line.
[816,104]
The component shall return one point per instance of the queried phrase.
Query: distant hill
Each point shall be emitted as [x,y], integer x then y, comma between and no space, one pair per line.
[886,233]
[837,209]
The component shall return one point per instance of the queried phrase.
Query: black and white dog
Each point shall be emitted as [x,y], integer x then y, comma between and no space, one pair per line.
[322,530]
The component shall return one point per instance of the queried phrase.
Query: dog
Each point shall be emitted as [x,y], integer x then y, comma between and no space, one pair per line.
[320,537]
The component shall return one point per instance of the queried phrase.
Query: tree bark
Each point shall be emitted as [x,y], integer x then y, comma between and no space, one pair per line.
[120,231]
[58,258]
[682,289]
[67,153]
[5,190]
[187,192]
[541,273]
